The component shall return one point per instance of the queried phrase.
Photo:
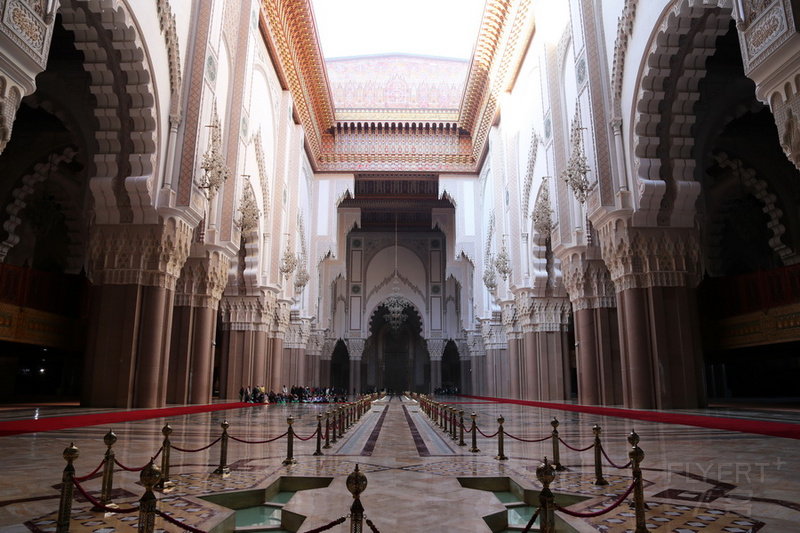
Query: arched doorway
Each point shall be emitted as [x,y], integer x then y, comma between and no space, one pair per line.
[340,367]
[396,359]
[451,369]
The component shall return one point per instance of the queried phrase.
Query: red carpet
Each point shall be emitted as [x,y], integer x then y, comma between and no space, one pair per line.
[773,429]
[17,427]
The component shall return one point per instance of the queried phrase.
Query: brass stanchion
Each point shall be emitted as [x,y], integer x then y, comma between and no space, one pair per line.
[356,484]
[319,436]
[556,455]
[108,472]
[327,430]
[290,460]
[223,451]
[149,476]
[636,455]
[333,424]
[453,423]
[70,454]
[598,460]
[545,473]
[166,446]
[500,455]
[474,448]
[461,428]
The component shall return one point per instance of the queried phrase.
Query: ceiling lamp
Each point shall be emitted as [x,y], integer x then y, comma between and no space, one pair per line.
[396,302]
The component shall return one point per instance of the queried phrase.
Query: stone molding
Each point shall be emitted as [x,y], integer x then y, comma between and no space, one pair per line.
[588,282]
[297,333]
[246,313]
[355,348]
[494,335]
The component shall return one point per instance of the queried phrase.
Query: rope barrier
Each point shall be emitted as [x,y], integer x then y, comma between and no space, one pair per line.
[258,441]
[467,429]
[485,435]
[371,525]
[97,505]
[529,525]
[122,466]
[307,438]
[627,465]
[96,470]
[526,440]
[178,523]
[190,450]
[576,449]
[602,511]
[328,526]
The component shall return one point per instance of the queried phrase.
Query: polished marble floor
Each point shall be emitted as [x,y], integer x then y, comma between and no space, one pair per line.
[696,479]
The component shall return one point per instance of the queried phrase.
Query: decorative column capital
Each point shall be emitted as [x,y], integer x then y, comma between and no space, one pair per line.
[142,254]
[203,280]
[355,347]
[588,282]
[435,348]
[651,257]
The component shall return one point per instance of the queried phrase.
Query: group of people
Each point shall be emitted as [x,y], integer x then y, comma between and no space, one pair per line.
[297,394]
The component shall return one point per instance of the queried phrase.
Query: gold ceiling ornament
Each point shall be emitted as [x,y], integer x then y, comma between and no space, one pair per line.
[290,33]
[396,302]
[503,261]
[542,212]
[248,209]
[577,166]
[215,171]
[289,260]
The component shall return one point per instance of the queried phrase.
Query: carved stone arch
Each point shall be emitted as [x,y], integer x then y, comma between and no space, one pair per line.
[674,64]
[43,172]
[122,86]
[746,177]
[376,316]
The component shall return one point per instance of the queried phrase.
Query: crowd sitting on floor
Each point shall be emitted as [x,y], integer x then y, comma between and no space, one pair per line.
[258,394]
[446,391]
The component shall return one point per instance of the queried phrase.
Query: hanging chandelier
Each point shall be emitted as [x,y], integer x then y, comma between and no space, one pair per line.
[503,262]
[396,302]
[289,260]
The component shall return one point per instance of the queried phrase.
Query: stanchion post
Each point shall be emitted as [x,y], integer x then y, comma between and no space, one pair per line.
[149,476]
[356,484]
[461,428]
[474,448]
[166,446]
[70,454]
[453,423]
[108,472]
[636,455]
[290,460]
[327,430]
[223,469]
[319,436]
[545,473]
[556,455]
[598,459]
[500,455]
[333,424]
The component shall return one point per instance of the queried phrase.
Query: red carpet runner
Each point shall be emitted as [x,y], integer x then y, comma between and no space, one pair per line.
[773,429]
[17,427]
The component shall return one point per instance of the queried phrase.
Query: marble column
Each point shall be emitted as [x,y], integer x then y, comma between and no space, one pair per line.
[355,349]
[435,352]
[660,345]
[127,350]
[277,378]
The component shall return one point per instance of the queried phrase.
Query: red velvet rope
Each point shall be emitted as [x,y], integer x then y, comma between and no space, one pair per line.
[258,441]
[328,526]
[612,462]
[97,503]
[178,523]
[371,525]
[576,449]
[529,525]
[189,450]
[122,466]
[485,435]
[601,511]
[96,470]
[307,438]
[527,440]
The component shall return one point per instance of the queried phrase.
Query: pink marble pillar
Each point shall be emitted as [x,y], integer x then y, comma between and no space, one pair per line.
[639,387]
[278,378]
[532,374]
[587,356]
[202,374]
[514,373]
[152,362]
[260,358]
